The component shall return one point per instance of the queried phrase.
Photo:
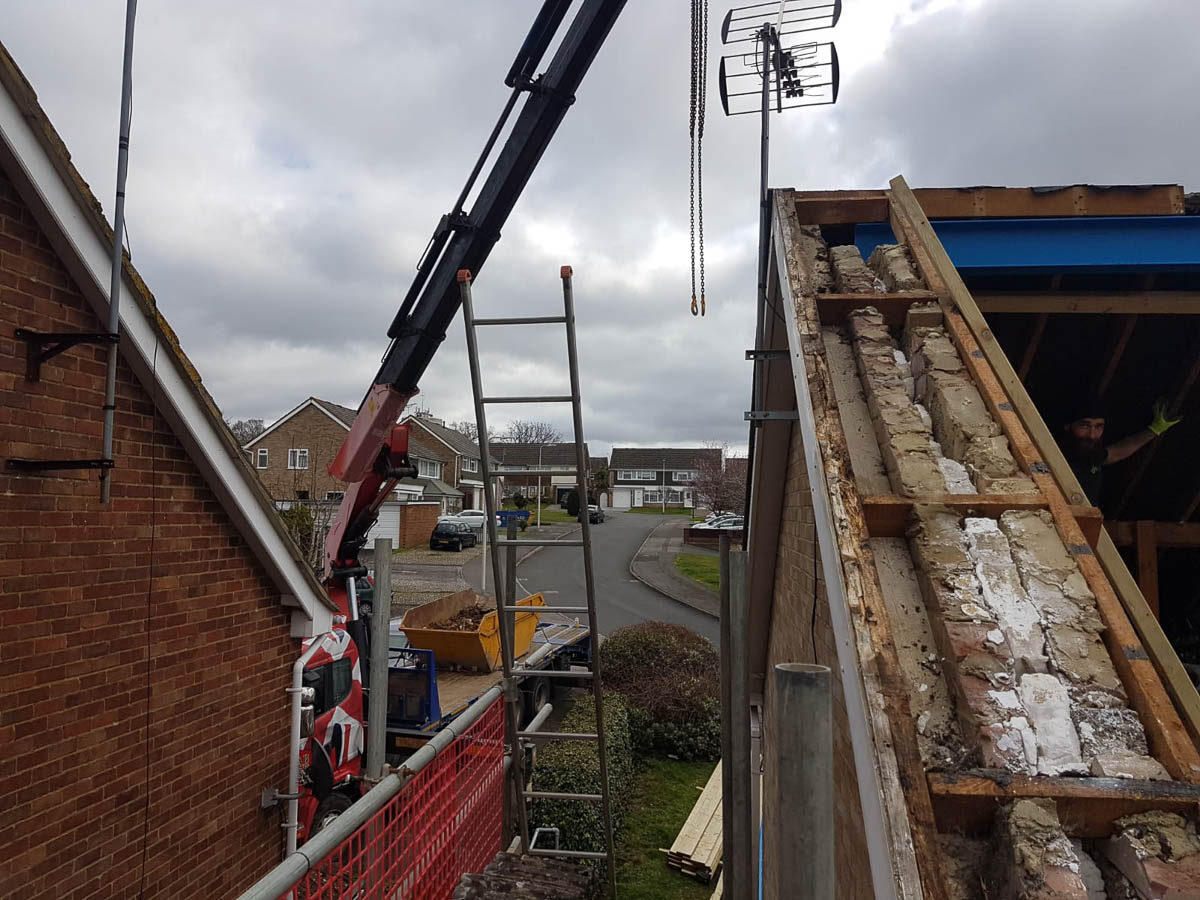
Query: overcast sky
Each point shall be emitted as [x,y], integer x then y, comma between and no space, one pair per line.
[289,161]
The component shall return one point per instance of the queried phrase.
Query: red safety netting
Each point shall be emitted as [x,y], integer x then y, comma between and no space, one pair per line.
[446,821]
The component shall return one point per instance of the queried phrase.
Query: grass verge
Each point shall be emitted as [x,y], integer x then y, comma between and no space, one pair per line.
[664,792]
[704,569]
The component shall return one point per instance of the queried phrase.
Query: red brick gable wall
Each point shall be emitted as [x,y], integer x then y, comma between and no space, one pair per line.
[102,797]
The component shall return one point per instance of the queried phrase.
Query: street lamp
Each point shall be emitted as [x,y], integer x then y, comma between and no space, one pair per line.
[664,486]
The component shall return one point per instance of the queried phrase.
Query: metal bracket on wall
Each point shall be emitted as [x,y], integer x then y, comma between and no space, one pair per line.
[766,415]
[41,346]
[757,355]
[18,466]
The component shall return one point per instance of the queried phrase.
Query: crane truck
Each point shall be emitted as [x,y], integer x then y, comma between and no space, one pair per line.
[374,455]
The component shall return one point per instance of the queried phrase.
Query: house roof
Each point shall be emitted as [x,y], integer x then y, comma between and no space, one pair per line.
[418,449]
[431,487]
[343,415]
[736,465]
[456,440]
[596,463]
[37,161]
[658,458]
[510,455]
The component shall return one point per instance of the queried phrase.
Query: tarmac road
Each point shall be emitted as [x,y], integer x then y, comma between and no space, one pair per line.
[620,598]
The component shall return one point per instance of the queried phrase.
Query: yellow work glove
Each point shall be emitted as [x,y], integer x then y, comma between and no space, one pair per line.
[1160,423]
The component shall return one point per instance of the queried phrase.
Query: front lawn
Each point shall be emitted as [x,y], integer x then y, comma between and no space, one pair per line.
[700,567]
[664,792]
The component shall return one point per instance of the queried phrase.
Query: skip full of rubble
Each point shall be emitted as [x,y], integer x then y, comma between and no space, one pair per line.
[464,620]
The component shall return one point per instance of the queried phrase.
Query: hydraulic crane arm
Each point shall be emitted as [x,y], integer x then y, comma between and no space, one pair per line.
[374,455]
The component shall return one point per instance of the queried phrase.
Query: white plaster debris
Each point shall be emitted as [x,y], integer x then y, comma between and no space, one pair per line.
[958,480]
[1028,742]
[1049,706]
[1002,591]
[1006,699]
[923,721]
[995,636]
[906,376]
[924,414]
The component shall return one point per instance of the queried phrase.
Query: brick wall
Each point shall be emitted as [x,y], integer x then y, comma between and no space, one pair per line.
[310,429]
[416,523]
[799,583]
[145,651]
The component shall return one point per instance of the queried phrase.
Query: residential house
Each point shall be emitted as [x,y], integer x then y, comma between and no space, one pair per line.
[150,637]
[292,456]
[528,459]
[461,457]
[645,476]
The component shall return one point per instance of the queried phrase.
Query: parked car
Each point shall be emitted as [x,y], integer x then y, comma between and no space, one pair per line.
[729,521]
[451,535]
[595,514]
[473,517]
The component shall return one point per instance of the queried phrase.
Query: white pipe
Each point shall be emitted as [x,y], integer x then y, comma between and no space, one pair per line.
[292,823]
[352,593]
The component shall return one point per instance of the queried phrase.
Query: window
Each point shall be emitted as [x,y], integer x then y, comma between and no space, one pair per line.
[262,457]
[652,497]
[335,495]
[332,683]
[636,475]
[428,468]
[301,495]
[470,465]
[685,476]
[297,459]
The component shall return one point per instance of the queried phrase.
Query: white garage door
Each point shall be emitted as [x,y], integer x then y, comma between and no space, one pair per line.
[620,498]
[387,525]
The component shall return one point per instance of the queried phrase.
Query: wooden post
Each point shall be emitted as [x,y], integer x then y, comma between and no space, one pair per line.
[1147,563]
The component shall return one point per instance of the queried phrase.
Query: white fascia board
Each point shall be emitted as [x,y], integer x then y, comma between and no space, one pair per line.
[88,258]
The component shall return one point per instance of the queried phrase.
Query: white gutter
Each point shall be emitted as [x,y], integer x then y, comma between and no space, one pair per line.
[292,823]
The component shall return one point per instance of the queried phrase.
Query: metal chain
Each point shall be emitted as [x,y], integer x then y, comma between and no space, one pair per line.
[703,94]
[692,104]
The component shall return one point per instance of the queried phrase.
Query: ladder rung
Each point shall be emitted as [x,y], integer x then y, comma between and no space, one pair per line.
[505,542]
[532,473]
[558,609]
[552,673]
[560,795]
[524,320]
[547,399]
[555,736]
[576,854]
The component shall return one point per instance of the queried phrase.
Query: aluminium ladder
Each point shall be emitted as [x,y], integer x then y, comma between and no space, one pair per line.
[506,601]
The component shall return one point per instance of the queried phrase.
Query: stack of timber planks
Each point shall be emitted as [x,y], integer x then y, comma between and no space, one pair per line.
[697,848]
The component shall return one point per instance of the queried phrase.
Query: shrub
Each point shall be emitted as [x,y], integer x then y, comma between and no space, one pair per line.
[519,500]
[572,502]
[574,767]
[670,678]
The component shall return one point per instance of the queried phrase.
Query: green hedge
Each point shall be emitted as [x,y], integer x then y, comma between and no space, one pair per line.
[574,767]
[670,678]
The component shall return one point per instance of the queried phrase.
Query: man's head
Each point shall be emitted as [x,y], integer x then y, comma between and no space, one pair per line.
[1086,427]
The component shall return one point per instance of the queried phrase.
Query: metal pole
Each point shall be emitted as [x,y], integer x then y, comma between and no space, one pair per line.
[735,728]
[114,284]
[539,510]
[801,757]
[483,563]
[381,612]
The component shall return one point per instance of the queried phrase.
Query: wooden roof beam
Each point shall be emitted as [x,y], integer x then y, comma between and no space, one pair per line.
[852,207]
[1158,303]
[1166,534]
